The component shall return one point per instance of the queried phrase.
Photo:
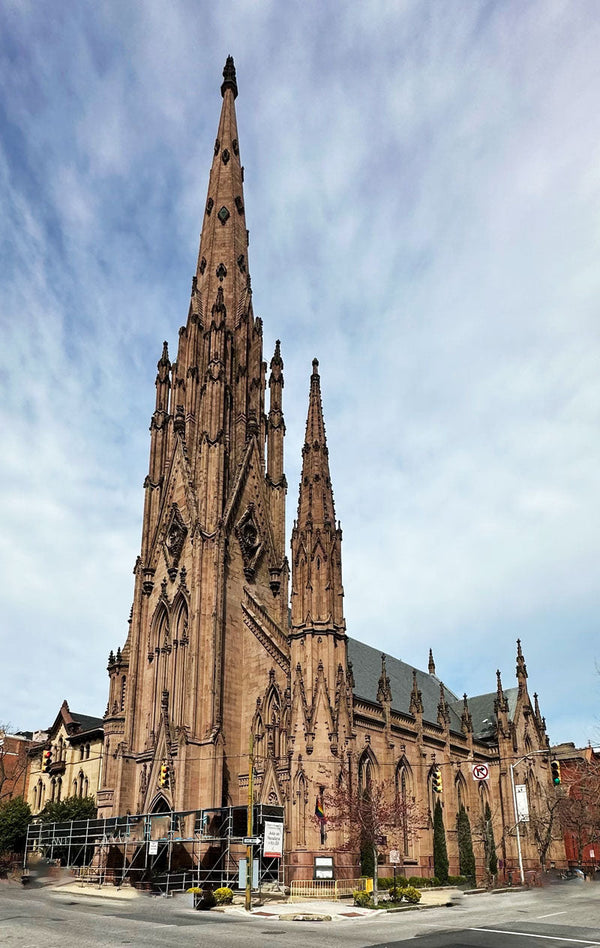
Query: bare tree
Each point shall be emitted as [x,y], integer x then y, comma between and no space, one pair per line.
[580,806]
[545,819]
[374,817]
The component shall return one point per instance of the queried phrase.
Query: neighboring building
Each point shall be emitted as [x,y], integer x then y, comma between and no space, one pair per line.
[213,652]
[580,778]
[74,766]
[13,763]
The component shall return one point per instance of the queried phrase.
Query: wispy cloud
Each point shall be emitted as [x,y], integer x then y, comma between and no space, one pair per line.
[423,196]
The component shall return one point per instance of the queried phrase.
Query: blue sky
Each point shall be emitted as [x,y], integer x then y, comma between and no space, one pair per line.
[423,196]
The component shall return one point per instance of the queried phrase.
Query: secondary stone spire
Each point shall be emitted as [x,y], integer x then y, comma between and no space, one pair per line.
[315,502]
[317,593]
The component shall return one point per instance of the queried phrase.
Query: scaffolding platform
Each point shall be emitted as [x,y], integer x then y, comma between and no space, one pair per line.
[167,851]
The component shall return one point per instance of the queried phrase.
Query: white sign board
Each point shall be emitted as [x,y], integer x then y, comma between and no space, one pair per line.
[480,772]
[273,840]
[394,856]
[153,847]
[522,803]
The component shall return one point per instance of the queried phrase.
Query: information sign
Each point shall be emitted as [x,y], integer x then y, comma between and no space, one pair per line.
[273,840]
[522,803]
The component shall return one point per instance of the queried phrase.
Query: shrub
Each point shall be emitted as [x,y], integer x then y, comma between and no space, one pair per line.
[423,882]
[440,851]
[457,880]
[396,894]
[411,894]
[194,890]
[362,899]
[387,882]
[224,895]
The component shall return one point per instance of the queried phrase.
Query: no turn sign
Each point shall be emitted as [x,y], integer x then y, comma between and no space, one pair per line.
[480,772]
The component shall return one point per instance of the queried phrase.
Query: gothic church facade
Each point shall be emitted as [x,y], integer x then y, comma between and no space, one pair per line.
[215,652]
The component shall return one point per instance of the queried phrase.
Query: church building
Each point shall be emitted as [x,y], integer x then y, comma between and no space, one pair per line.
[230,641]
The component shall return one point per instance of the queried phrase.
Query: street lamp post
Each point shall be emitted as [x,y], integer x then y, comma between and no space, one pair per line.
[514,795]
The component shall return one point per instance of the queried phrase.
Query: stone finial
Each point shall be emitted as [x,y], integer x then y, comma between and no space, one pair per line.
[466,719]
[443,708]
[229,78]
[384,691]
[500,703]
[521,666]
[416,698]
[431,663]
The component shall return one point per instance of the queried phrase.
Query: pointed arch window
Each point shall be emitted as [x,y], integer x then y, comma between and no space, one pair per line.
[404,793]
[367,771]
[461,792]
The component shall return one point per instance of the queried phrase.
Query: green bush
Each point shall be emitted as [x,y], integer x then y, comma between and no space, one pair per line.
[423,882]
[363,899]
[388,882]
[15,817]
[457,880]
[224,895]
[396,894]
[411,894]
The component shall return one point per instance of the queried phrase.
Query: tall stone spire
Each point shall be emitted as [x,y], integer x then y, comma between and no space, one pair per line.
[219,376]
[431,663]
[223,254]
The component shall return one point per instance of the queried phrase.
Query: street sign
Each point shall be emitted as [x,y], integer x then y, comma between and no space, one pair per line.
[251,840]
[153,847]
[394,856]
[480,772]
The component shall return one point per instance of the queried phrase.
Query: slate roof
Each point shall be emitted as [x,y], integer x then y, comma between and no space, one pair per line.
[87,722]
[366,667]
[483,714]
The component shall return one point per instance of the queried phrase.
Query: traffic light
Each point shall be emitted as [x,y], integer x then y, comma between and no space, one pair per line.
[555,769]
[164,776]
[436,781]
[47,760]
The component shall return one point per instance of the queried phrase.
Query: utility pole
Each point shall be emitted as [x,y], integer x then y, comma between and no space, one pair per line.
[250,825]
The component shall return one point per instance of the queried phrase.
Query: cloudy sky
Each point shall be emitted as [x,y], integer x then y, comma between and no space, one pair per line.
[423,197]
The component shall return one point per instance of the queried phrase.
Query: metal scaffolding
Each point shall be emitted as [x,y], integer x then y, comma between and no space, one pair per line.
[167,851]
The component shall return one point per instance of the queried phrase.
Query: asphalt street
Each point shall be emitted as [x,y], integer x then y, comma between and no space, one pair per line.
[556,917]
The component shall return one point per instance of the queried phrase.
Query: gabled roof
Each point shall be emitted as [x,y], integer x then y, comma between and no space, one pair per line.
[74,723]
[366,667]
